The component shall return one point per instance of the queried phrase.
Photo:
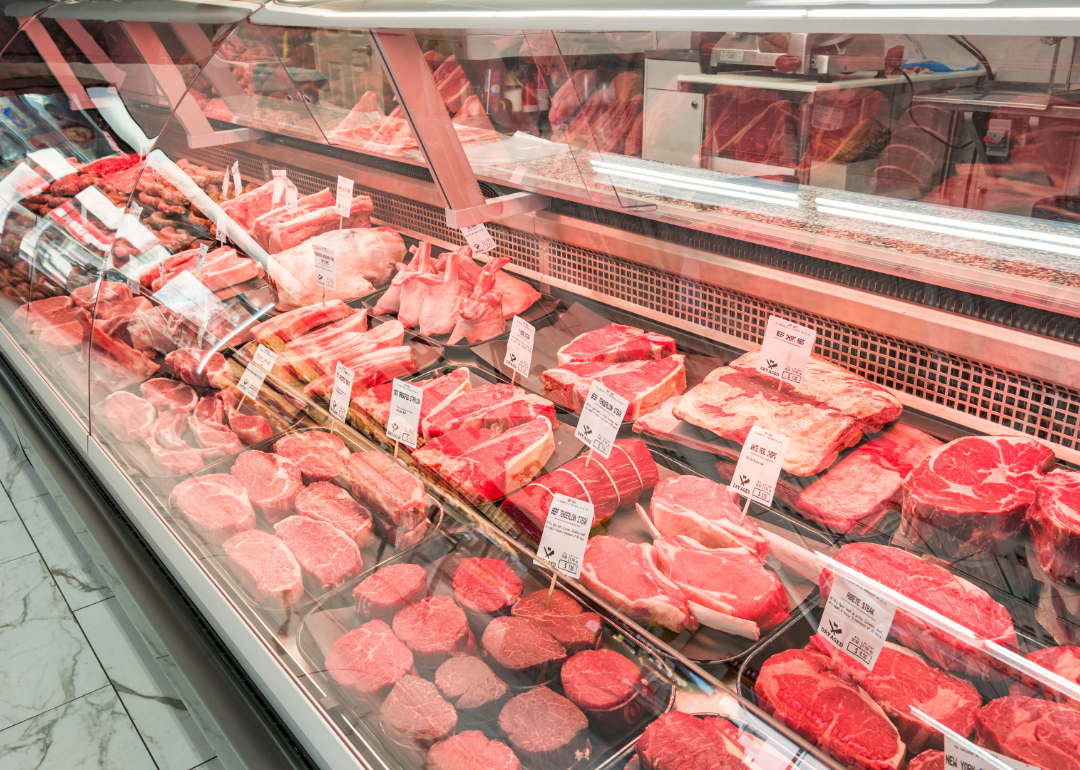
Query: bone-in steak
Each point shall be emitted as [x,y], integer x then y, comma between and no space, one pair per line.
[645,384]
[369,660]
[387,487]
[546,730]
[521,653]
[1038,732]
[265,567]
[614,343]
[679,741]
[382,595]
[169,394]
[272,482]
[415,715]
[129,417]
[471,750]
[497,407]
[486,586]
[563,618]
[473,688]
[216,505]
[330,503]
[326,554]
[1055,525]
[435,629]
[708,512]
[320,455]
[438,391]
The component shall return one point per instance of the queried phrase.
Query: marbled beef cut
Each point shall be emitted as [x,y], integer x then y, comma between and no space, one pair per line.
[928,760]
[679,741]
[319,455]
[471,685]
[387,487]
[521,653]
[606,686]
[272,482]
[330,503]
[414,715]
[391,589]
[486,586]
[1055,525]
[164,393]
[545,730]
[1039,732]
[216,505]
[563,618]
[265,567]
[1063,661]
[435,629]
[369,660]
[327,555]
[471,750]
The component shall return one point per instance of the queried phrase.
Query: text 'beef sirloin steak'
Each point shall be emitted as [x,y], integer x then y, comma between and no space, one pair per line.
[934,587]
[387,487]
[169,394]
[614,343]
[265,567]
[328,502]
[1039,732]
[829,710]
[216,505]
[486,586]
[645,384]
[414,715]
[1063,661]
[708,512]
[972,495]
[903,680]
[369,660]
[319,455]
[545,730]
[563,618]
[437,392]
[606,687]
[435,629]
[496,407]
[628,577]
[382,595]
[730,403]
[520,653]
[471,750]
[928,760]
[326,554]
[272,482]
[474,689]
[679,741]
[129,417]
[1055,525]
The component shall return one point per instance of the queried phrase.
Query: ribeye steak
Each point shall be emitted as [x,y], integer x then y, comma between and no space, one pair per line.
[216,505]
[272,482]
[327,555]
[265,567]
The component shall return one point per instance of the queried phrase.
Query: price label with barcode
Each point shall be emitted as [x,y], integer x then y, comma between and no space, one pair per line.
[601,418]
[856,620]
[203,248]
[291,196]
[136,210]
[759,465]
[342,393]
[404,420]
[479,238]
[566,534]
[256,372]
[279,185]
[325,268]
[519,347]
[236,178]
[343,202]
[964,755]
[221,228]
[785,350]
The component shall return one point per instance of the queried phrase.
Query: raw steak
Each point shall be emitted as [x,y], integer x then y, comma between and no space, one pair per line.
[928,760]
[610,484]
[414,715]
[307,347]
[645,384]
[216,505]
[471,750]
[902,680]
[486,586]
[663,424]
[296,323]
[614,343]
[546,730]
[169,394]
[573,628]
[369,660]
[369,369]
[1039,732]
[328,502]
[169,430]
[401,538]
[485,466]
[1055,525]
[972,495]
[521,653]
[215,440]
[497,407]
[600,680]
[435,629]
[829,710]
[265,567]
[287,235]
[246,208]
[730,403]
[471,685]
[924,581]
[272,482]
[627,576]
[129,417]
[438,391]
[326,554]
[174,462]
[394,587]
[319,455]
[1063,661]
[855,495]
[187,364]
[701,509]
[387,487]
[679,741]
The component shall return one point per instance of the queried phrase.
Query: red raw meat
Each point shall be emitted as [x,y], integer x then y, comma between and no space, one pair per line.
[175,462]
[394,587]
[261,227]
[387,487]
[369,660]
[445,293]
[471,750]
[287,235]
[295,323]
[645,384]
[313,361]
[216,505]
[928,760]
[769,139]
[252,428]
[328,502]
[185,364]
[326,554]
[169,394]
[211,410]
[411,291]
[600,680]
[562,617]
[517,296]
[415,716]
[369,369]
[1063,661]
[435,629]
[1055,525]
[214,439]
[546,730]
[129,417]
[471,685]
[307,347]
[521,653]
[486,586]
[272,482]
[704,511]
[245,209]
[319,455]
[438,391]
[615,343]
[453,84]
[496,407]
[94,293]
[972,495]
[680,741]
[265,567]
[1037,732]
[169,430]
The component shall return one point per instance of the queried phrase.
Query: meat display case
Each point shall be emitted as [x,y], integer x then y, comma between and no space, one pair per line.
[238,238]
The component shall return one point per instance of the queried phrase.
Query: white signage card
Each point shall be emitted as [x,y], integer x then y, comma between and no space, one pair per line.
[279,185]
[291,196]
[343,203]
[225,185]
[237,183]
[856,620]
[325,270]
[203,248]
[966,756]
[601,417]
[405,401]
[519,347]
[222,217]
[256,371]
[53,162]
[785,350]
[161,270]
[136,210]
[759,465]
[479,238]
[566,533]
[342,394]
[133,287]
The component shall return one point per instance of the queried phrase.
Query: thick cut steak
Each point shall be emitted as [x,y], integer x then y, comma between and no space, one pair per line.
[272,482]
[614,343]
[435,629]
[129,417]
[369,660]
[972,495]
[265,567]
[387,487]
[701,509]
[936,588]
[679,741]
[320,455]
[928,760]
[328,502]
[287,235]
[645,384]
[414,715]
[1055,525]
[521,653]
[471,750]
[474,689]
[216,505]
[546,730]
[394,587]
[730,403]
[296,323]
[486,586]
[188,364]
[903,680]
[497,407]
[1063,661]
[1039,732]
[169,394]
[326,554]
[600,680]
[627,576]
[563,618]
[438,391]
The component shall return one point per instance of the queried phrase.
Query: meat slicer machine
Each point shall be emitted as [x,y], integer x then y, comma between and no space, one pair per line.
[801,53]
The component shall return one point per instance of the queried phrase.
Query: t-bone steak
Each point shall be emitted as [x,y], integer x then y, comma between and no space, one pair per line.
[169,394]
[320,455]
[272,482]
[330,503]
[216,505]
[644,384]
[546,730]
[414,715]
[435,629]
[1055,525]
[369,660]
[471,750]
[1038,732]
[327,555]
[474,689]
[265,567]
[486,586]
[521,653]
[614,343]
[382,595]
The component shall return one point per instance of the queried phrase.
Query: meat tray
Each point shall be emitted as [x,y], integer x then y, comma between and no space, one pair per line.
[457,539]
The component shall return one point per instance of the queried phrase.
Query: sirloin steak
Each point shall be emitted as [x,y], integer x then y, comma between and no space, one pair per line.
[546,730]
[382,595]
[319,455]
[1055,525]
[928,760]
[471,750]
[328,502]
[644,384]
[216,505]
[435,629]
[265,567]
[326,554]
[415,715]
[1038,732]
[369,660]
[272,482]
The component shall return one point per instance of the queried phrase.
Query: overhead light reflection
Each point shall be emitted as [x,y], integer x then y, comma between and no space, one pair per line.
[238,330]
[698,184]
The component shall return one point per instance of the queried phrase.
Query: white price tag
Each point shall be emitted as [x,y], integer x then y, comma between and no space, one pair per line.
[225,185]
[342,394]
[203,248]
[136,210]
[279,185]
[343,204]
[566,533]
[291,196]
[827,118]
[222,218]
[404,419]
[601,417]
[237,183]
[785,350]
[519,347]
[759,465]
[325,270]
[161,270]
[479,238]
[856,620]
[134,287]
[731,56]
[963,756]
[256,371]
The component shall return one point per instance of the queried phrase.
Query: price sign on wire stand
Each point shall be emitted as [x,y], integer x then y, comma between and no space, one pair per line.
[237,183]
[161,270]
[279,185]
[479,238]
[404,420]
[856,620]
[759,466]
[221,228]
[967,756]
[203,248]
[785,350]
[256,372]
[343,202]
[325,268]
[342,394]
[519,347]
[601,418]
[136,210]
[566,533]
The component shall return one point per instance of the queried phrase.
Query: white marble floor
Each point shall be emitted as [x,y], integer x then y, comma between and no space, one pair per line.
[79,688]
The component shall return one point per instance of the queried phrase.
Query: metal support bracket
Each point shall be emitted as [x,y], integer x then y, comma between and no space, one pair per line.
[496,208]
[231,136]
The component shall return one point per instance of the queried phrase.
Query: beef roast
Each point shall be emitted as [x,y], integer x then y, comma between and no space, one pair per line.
[330,503]
[320,455]
[521,653]
[216,505]
[272,482]
[327,555]
[265,567]
[474,689]
[486,586]
[605,685]
[387,487]
[679,741]
[369,660]
[1055,525]
[382,595]
[414,715]
[435,629]
[1039,732]
[471,750]
[563,618]
[546,730]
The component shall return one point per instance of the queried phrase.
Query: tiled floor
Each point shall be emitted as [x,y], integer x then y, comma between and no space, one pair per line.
[79,688]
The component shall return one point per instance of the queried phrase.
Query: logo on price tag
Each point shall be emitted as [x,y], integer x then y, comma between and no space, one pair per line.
[342,394]
[759,465]
[404,420]
[256,371]
[785,350]
[967,756]
[479,238]
[279,185]
[134,287]
[221,228]
[519,347]
[601,417]
[236,178]
[291,196]
[566,533]
[343,204]
[203,248]
[856,620]
[325,269]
